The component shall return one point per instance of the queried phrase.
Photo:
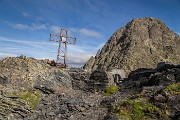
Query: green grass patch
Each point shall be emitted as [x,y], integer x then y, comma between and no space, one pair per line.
[110,90]
[173,89]
[135,109]
[31,97]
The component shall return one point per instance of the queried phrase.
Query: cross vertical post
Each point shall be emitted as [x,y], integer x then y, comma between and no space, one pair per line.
[63,39]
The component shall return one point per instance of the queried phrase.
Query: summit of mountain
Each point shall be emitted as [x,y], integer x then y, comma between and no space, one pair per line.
[142,43]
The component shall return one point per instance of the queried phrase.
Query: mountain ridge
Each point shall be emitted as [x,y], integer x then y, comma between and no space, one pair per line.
[142,43]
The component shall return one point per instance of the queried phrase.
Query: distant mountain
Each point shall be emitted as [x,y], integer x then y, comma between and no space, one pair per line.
[142,43]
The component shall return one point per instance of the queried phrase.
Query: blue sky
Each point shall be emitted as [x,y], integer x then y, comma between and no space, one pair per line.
[25,25]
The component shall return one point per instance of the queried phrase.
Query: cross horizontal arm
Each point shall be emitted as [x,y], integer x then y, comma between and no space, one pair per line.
[54,34]
[54,40]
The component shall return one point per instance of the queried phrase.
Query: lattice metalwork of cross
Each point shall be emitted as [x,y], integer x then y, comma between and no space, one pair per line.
[63,39]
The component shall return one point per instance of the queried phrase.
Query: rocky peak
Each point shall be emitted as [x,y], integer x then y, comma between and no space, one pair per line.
[142,43]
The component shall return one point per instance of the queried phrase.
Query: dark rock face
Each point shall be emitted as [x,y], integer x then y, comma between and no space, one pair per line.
[81,105]
[80,79]
[165,75]
[160,85]
[99,80]
[3,80]
[142,43]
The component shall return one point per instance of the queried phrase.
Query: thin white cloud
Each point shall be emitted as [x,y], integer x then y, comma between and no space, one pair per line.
[20,26]
[178,33]
[29,16]
[77,54]
[100,46]
[90,32]
[82,31]
[26,15]
[38,26]
[4,55]
[87,32]
[38,44]
[90,5]
[54,29]
[79,58]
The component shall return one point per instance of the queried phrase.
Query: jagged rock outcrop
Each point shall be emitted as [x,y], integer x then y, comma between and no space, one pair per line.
[31,89]
[142,43]
[22,73]
[89,63]
[23,83]
[157,97]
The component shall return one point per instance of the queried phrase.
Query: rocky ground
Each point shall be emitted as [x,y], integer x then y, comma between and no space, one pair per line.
[31,89]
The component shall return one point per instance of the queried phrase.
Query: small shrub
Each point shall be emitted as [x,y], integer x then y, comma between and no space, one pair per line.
[173,89]
[31,97]
[110,90]
[135,109]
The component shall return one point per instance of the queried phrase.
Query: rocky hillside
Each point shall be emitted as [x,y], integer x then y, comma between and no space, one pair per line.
[158,94]
[30,89]
[142,43]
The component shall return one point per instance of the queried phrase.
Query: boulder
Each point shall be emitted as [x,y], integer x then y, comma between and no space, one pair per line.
[3,80]
[99,80]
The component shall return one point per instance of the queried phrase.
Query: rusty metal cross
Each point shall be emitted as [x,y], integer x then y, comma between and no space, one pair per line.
[63,40]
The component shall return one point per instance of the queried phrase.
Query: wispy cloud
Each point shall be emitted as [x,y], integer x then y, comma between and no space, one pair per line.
[82,31]
[26,15]
[4,55]
[77,58]
[87,32]
[54,29]
[178,33]
[20,26]
[38,26]
[41,50]
[100,46]
[37,44]
[32,17]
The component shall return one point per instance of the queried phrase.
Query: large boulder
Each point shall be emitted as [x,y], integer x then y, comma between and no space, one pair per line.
[25,73]
[142,43]
[165,75]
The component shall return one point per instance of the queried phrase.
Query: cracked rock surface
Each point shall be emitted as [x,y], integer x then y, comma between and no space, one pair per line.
[142,43]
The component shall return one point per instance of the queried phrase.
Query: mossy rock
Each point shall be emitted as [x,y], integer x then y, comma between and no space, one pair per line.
[110,90]
[137,109]
[173,89]
[30,97]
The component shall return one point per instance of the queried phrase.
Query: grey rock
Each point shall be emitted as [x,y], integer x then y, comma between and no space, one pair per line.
[44,89]
[142,43]
[51,114]
[3,80]
[160,98]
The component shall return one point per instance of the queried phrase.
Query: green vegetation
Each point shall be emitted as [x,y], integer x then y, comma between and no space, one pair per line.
[110,90]
[136,109]
[173,89]
[31,97]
